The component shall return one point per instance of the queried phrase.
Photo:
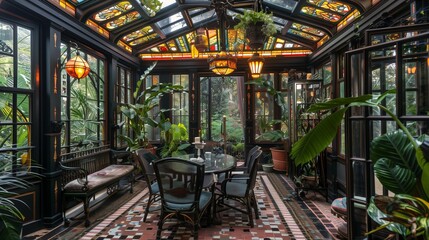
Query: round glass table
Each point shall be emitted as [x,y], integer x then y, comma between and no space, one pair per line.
[217,164]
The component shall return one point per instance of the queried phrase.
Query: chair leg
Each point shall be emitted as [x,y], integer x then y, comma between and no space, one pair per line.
[149,202]
[255,206]
[66,221]
[249,211]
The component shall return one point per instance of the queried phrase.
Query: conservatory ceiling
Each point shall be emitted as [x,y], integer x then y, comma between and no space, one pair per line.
[302,25]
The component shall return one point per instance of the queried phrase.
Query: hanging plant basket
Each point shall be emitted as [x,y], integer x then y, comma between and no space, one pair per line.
[255,36]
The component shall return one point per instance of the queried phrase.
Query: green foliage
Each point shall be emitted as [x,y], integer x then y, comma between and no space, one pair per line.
[139,114]
[175,140]
[403,214]
[399,160]
[152,6]
[250,17]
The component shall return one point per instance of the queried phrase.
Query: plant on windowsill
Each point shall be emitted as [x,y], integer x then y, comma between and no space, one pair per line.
[139,114]
[400,164]
[257,25]
[279,154]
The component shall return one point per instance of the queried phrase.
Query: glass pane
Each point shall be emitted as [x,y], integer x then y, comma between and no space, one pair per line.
[5,161]
[411,103]
[6,107]
[113,11]
[359,179]
[264,114]
[357,137]
[24,58]
[6,39]
[23,136]
[23,108]
[6,140]
[6,71]
[169,20]
[287,4]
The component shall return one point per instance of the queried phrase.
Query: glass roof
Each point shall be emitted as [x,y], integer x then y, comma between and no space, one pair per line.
[143,29]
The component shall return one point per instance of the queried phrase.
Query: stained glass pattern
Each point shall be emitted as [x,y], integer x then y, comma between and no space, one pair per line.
[307,29]
[178,16]
[121,21]
[144,39]
[350,18]
[315,12]
[138,34]
[113,11]
[334,6]
[303,34]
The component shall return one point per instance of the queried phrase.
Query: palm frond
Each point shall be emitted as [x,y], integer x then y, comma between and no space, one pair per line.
[315,141]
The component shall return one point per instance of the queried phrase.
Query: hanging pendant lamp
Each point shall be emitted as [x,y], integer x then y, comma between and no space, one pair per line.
[255,64]
[77,67]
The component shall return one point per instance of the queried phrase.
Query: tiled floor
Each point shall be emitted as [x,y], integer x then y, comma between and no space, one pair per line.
[282,216]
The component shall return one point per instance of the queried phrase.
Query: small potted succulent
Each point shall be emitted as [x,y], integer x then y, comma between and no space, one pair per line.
[257,25]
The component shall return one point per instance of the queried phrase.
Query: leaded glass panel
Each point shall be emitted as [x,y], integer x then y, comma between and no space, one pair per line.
[315,12]
[129,17]
[113,11]
[331,5]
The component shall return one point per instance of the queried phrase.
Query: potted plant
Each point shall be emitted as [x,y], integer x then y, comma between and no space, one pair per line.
[175,140]
[138,114]
[257,25]
[400,164]
[280,154]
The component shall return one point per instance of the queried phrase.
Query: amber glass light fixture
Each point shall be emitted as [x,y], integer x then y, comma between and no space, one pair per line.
[222,64]
[77,67]
[411,69]
[255,64]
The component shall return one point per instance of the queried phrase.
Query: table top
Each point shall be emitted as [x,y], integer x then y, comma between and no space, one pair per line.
[218,163]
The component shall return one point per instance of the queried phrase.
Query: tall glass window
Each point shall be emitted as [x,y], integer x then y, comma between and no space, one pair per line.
[83,104]
[123,95]
[154,134]
[222,107]
[180,101]
[16,97]
[264,109]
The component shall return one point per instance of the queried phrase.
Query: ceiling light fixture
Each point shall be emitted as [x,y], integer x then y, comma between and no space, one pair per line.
[77,67]
[255,64]
[222,64]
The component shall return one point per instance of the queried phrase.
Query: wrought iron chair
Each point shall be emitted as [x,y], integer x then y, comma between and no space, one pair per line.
[180,184]
[145,159]
[240,189]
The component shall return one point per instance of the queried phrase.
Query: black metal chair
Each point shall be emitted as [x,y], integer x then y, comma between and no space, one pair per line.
[240,189]
[145,159]
[245,168]
[180,184]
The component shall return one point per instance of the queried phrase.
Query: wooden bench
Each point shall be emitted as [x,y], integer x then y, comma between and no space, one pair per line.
[89,171]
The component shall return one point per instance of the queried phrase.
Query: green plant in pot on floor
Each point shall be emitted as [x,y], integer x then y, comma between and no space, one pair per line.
[400,164]
[279,154]
[139,114]
[175,140]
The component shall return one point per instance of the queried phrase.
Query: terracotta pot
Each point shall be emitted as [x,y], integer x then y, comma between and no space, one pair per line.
[280,159]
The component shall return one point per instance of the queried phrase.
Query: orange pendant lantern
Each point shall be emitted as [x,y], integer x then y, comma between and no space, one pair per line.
[77,67]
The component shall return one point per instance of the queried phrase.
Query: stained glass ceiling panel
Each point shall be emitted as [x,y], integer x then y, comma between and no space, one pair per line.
[332,5]
[319,13]
[113,11]
[288,4]
[134,28]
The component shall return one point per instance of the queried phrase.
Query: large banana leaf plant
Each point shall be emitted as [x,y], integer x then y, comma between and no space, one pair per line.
[399,159]
[140,115]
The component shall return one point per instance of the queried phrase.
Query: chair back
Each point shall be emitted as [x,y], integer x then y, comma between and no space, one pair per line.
[145,159]
[253,169]
[247,163]
[180,183]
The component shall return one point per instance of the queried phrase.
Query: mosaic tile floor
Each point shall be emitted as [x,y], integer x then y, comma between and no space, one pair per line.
[281,217]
